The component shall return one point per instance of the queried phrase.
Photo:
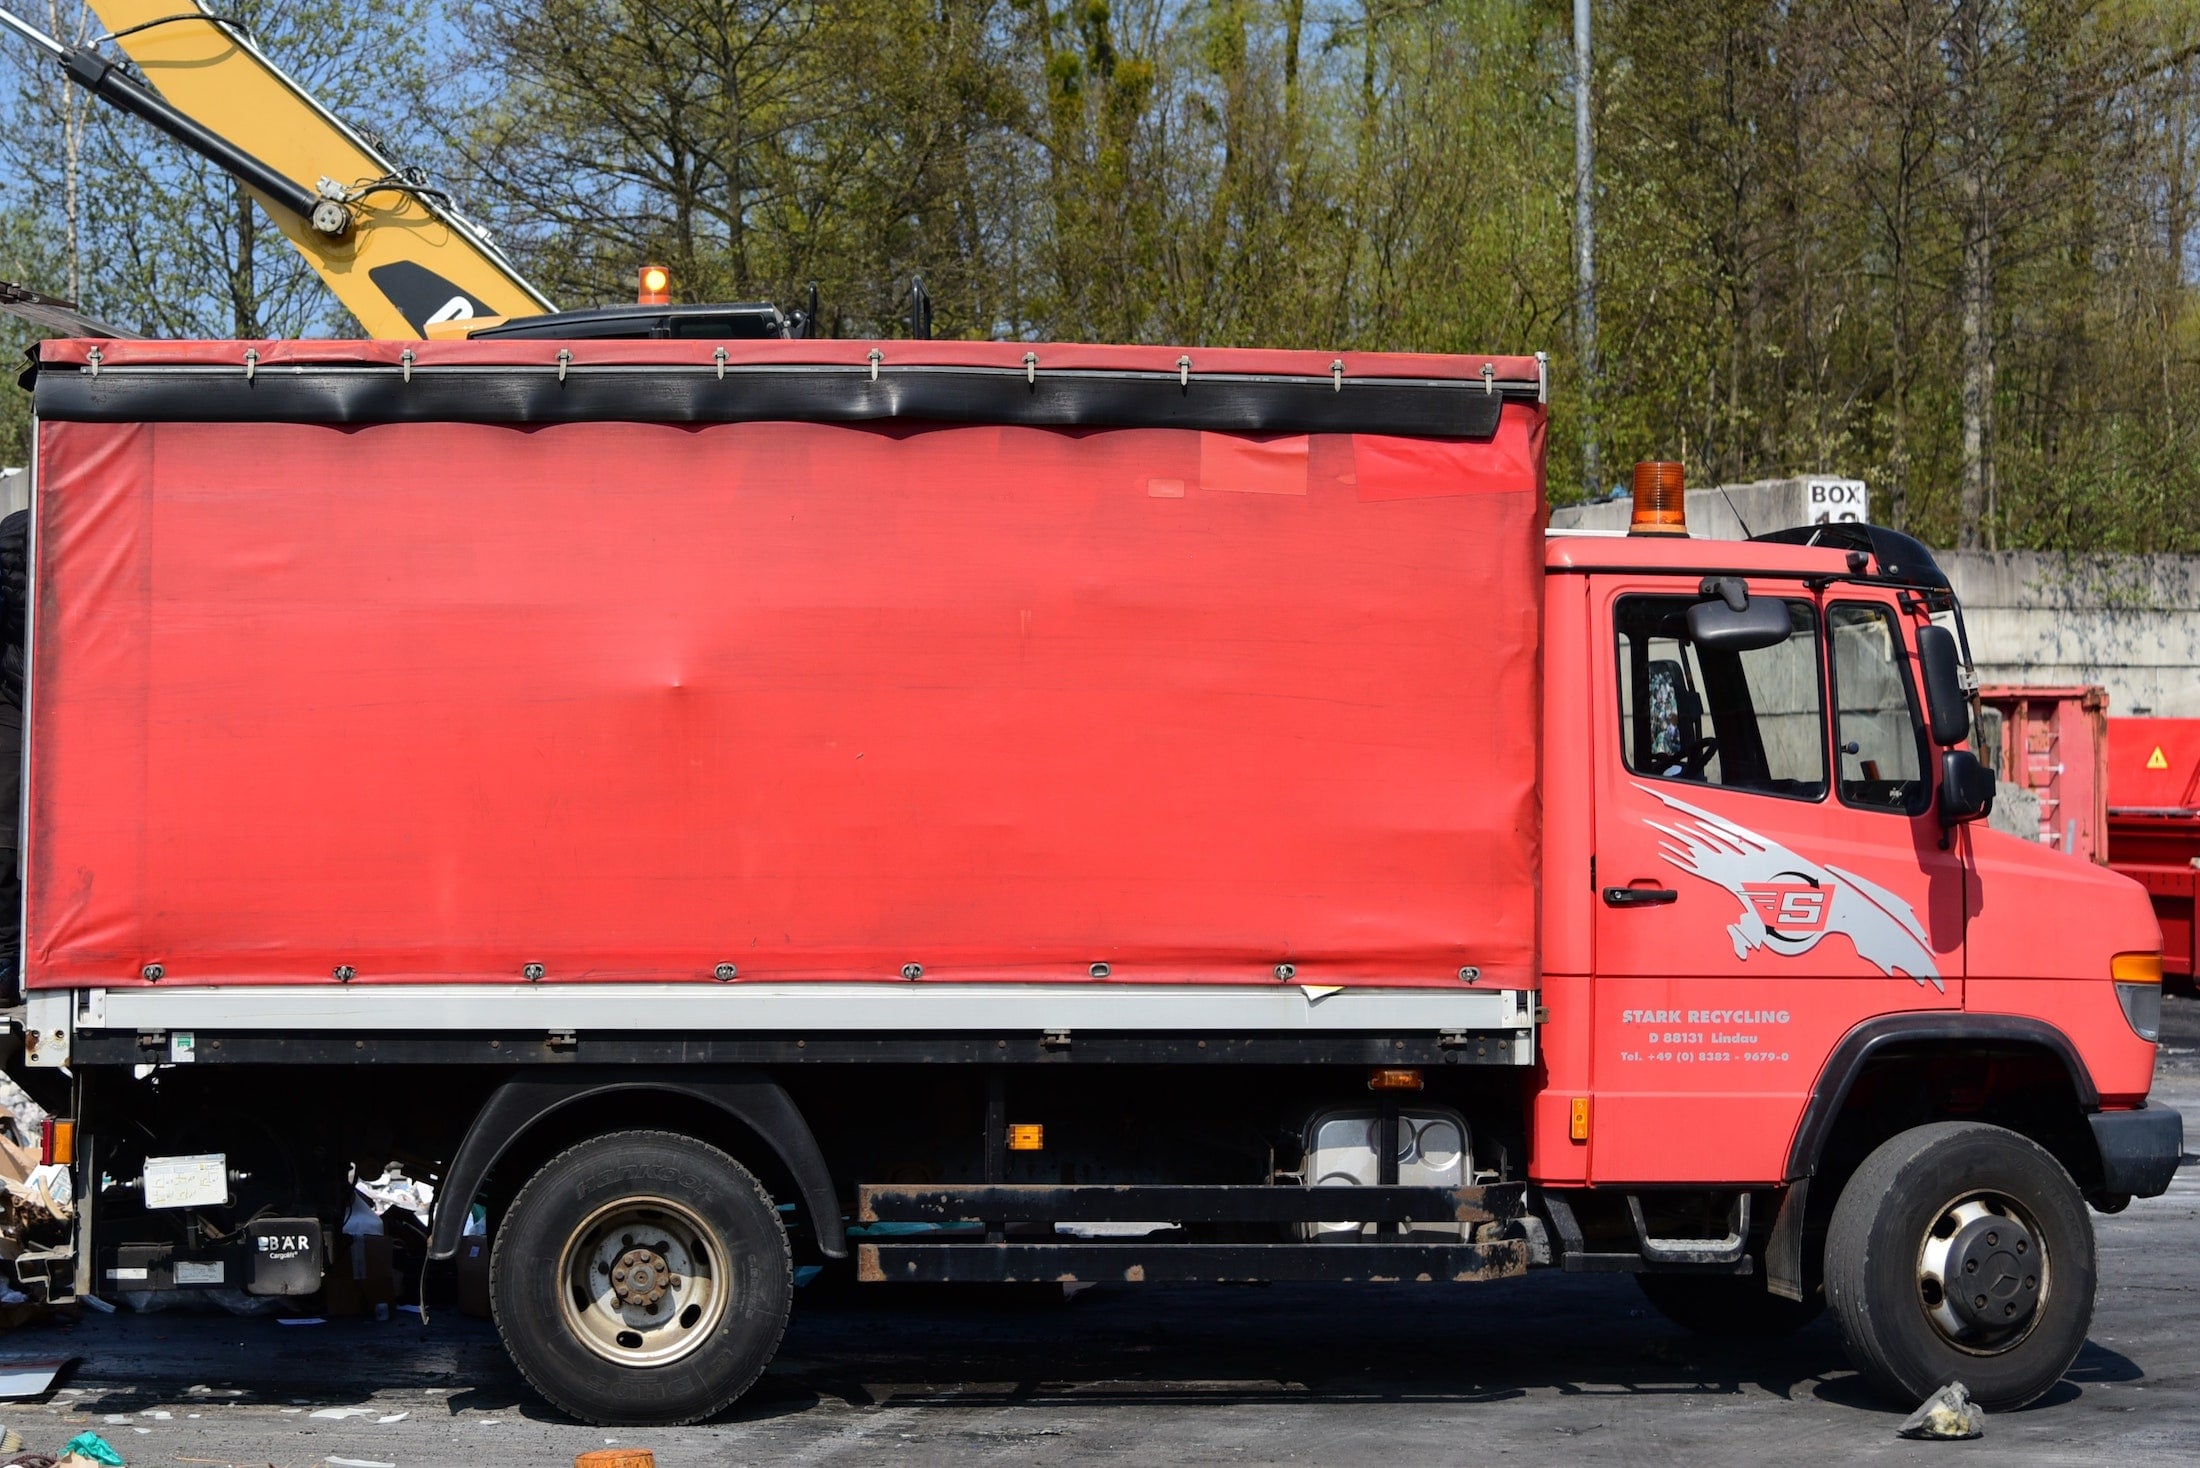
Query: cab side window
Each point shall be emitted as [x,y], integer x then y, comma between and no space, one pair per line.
[1742,721]
[1877,731]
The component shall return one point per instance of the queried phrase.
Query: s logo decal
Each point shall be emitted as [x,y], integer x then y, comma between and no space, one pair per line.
[1789,903]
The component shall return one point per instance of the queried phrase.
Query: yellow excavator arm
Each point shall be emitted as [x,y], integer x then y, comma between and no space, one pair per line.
[394,252]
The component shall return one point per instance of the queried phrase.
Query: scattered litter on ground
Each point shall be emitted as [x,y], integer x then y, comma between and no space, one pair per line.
[340,1414]
[335,1462]
[391,1417]
[158,1416]
[300,1320]
[1948,1413]
[91,1448]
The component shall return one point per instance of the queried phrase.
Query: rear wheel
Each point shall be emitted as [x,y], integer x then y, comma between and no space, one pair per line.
[1961,1252]
[1737,1306]
[641,1278]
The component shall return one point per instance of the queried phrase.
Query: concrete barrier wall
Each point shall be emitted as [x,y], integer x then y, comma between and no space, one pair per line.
[2130,624]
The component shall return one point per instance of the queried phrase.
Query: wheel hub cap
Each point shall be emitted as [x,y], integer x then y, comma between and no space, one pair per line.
[1994,1282]
[643,1281]
[640,1277]
[1982,1274]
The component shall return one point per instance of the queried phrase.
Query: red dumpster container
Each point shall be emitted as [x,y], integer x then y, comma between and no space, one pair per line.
[2154,826]
[2054,742]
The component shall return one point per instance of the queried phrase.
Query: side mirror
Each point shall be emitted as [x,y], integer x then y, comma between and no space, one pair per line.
[1966,787]
[1720,626]
[1947,711]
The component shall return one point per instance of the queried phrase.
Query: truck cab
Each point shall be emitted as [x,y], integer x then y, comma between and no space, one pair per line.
[1778,937]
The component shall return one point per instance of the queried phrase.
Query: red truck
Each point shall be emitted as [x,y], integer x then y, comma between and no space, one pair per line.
[996,812]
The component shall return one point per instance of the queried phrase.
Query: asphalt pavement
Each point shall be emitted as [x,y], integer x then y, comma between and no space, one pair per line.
[1573,1366]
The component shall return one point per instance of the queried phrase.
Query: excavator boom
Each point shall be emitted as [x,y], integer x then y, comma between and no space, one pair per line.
[395,252]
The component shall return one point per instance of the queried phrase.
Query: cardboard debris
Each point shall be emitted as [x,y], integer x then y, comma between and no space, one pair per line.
[36,1204]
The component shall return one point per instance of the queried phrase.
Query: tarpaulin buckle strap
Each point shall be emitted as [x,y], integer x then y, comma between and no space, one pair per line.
[405,361]
[565,360]
[1184,372]
[718,355]
[877,357]
[1336,375]
[1031,368]
[251,362]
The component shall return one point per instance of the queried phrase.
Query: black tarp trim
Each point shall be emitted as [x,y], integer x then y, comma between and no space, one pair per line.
[352,395]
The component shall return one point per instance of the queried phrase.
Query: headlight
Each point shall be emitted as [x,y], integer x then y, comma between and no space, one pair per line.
[2138,979]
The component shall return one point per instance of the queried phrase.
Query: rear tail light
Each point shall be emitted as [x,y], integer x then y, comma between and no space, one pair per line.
[2138,979]
[57,1144]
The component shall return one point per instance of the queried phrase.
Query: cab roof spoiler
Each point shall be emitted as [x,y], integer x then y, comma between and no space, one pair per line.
[1896,557]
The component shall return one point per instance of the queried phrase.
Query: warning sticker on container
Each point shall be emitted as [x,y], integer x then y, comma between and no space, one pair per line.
[198,1181]
[198,1272]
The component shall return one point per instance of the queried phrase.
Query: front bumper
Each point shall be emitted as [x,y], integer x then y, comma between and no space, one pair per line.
[2139,1149]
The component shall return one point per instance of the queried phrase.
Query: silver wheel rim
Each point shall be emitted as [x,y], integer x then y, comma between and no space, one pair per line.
[2026,1273]
[642,1282]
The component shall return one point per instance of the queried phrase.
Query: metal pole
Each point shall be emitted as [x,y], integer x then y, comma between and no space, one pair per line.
[1585,255]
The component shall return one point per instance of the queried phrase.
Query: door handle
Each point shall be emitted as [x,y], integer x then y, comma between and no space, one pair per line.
[1639,896]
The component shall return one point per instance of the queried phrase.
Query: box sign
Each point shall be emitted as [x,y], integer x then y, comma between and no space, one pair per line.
[1836,501]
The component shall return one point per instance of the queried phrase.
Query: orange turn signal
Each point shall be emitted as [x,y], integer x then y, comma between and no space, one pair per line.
[1661,499]
[2136,968]
[1394,1080]
[656,286]
[1026,1136]
[57,1143]
[1579,1130]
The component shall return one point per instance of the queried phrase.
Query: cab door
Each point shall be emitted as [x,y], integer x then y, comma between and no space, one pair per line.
[1769,871]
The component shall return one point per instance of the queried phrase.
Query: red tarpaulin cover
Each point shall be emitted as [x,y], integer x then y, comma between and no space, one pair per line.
[627,700]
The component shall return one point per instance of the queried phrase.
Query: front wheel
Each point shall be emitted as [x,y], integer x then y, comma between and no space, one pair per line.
[1961,1252]
[641,1278]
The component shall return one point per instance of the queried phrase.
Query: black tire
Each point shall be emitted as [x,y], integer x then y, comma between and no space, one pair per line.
[1901,1329]
[721,1264]
[1735,1306]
